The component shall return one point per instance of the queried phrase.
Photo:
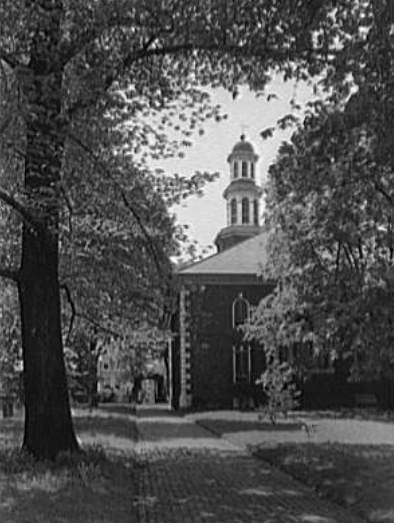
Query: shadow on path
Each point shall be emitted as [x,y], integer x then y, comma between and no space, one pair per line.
[188,474]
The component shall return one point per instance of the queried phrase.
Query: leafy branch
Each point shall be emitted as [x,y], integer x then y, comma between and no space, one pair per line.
[9,59]
[128,204]
[27,217]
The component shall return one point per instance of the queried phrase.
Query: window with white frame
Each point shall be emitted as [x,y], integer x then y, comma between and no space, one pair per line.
[240,311]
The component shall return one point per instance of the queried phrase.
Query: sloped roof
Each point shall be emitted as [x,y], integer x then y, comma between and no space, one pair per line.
[245,258]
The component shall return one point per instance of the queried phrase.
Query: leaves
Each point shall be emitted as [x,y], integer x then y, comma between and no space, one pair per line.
[93,90]
[10,345]
[267,133]
[329,213]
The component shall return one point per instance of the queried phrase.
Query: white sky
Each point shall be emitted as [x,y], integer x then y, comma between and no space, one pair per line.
[207,215]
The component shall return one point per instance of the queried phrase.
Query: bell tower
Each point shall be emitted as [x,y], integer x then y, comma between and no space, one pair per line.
[242,197]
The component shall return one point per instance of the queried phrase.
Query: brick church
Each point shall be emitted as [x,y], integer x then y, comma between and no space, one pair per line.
[211,361]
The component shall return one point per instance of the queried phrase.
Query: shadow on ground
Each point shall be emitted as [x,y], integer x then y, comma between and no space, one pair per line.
[106,426]
[216,488]
[219,426]
[83,493]
[358,477]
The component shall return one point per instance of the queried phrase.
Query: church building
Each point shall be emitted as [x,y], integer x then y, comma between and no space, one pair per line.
[212,365]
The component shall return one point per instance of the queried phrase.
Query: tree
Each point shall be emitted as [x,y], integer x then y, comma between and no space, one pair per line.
[68,67]
[330,211]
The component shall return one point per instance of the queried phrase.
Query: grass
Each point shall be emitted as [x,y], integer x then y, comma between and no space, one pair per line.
[94,486]
[358,477]
[103,487]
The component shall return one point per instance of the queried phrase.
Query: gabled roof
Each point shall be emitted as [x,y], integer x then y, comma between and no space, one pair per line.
[245,258]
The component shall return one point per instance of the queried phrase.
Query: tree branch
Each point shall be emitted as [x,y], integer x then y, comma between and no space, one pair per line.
[353,264]
[246,51]
[70,51]
[9,274]
[383,191]
[70,300]
[9,59]
[125,200]
[145,52]
[98,325]
[22,211]
[337,260]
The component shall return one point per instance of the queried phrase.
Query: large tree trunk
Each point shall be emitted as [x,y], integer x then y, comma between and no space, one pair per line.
[48,424]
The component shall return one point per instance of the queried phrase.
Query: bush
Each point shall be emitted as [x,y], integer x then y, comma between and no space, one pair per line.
[280,388]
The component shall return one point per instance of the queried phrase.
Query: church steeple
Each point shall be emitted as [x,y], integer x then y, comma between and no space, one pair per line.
[242,197]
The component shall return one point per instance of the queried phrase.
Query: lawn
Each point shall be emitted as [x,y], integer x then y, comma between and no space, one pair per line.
[348,459]
[94,487]
[360,477]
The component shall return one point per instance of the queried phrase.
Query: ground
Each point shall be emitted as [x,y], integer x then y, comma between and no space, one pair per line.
[99,487]
[218,466]
[346,456]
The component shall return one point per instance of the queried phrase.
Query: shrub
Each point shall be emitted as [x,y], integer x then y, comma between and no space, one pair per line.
[281,390]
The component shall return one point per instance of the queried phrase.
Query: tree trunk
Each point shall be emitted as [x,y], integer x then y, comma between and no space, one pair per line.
[48,423]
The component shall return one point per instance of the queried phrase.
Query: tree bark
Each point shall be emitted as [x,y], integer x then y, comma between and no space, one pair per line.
[48,423]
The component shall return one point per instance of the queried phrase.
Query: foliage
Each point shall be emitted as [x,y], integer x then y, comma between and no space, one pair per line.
[10,346]
[94,88]
[141,348]
[280,388]
[82,353]
[330,206]
[133,351]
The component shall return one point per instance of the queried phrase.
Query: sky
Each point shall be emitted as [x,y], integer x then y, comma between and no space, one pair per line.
[206,215]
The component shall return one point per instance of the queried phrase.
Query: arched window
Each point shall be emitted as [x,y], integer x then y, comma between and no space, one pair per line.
[233,211]
[236,170]
[252,170]
[256,212]
[245,210]
[240,311]
[244,170]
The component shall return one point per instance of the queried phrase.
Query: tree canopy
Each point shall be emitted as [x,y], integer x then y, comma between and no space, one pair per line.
[89,92]
[330,209]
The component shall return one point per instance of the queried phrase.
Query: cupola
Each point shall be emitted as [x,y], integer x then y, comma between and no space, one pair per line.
[242,197]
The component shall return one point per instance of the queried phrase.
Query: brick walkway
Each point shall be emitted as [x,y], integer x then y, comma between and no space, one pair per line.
[188,475]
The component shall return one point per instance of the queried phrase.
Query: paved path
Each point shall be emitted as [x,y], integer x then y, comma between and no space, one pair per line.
[188,475]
